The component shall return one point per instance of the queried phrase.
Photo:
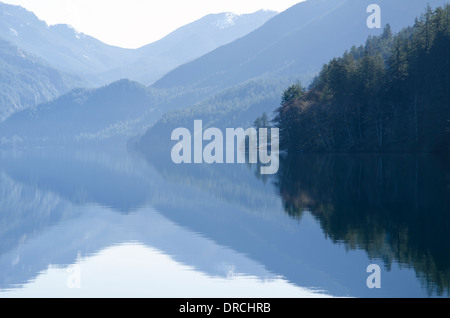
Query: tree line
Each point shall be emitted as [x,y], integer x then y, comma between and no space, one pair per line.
[389,95]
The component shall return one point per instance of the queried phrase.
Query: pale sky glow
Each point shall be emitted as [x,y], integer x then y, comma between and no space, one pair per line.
[134,23]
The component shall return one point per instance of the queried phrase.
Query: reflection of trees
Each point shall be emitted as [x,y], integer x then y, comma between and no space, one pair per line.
[395,207]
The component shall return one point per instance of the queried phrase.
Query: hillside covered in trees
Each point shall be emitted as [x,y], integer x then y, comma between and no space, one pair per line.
[390,95]
[26,80]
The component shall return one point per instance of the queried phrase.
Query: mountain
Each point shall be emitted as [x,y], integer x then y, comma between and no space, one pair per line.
[60,45]
[392,95]
[188,43]
[271,46]
[75,52]
[26,81]
[126,108]
[297,41]
[234,107]
[293,44]
[83,114]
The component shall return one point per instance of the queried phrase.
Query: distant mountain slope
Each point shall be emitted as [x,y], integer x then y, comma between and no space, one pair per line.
[82,114]
[60,45]
[71,51]
[125,108]
[27,81]
[292,43]
[234,107]
[297,41]
[188,43]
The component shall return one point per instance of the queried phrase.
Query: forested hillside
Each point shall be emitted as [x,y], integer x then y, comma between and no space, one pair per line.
[296,42]
[83,115]
[26,80]
[231,108]
[390,95]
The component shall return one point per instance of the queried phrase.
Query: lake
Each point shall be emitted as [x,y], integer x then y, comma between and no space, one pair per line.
[111,223]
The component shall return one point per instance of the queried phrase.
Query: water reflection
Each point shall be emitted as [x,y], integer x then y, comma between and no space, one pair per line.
[221,226]
[394,207]
[171,262]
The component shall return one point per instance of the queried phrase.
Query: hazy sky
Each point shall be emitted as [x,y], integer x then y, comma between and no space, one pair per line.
[133,23]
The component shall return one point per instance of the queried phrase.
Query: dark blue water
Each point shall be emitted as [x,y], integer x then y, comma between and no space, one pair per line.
[113,223]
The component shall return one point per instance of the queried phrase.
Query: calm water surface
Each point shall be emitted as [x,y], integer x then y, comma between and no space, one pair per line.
[111,223]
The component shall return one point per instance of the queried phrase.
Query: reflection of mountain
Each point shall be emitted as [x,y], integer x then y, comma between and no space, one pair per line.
[93,229]
[60,228]
[25,211]
[233,221]
[234,185]
[80,178]
[395,207]
[225,204]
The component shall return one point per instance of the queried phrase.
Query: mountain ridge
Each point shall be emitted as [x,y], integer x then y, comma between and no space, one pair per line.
[71,51]
[27,80]
[188,43]
[297,41]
